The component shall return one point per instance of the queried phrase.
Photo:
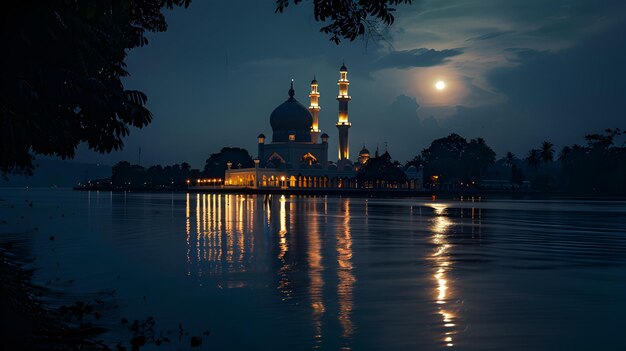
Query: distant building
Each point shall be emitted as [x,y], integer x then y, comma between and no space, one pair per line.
[415,175]
[364,155]
[503,184]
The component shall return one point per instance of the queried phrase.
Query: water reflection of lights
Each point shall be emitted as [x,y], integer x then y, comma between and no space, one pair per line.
[284,285]
[282,234]
[346,282]
[443,265]
[224,240]
[221,238]
[188,235]
[316,269]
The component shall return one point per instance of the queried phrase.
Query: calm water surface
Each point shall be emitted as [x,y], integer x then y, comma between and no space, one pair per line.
[333,273]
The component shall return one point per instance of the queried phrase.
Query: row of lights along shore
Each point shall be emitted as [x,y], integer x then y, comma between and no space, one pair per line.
[211,180]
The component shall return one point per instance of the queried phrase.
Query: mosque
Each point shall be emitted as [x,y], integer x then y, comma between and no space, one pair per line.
[297,156]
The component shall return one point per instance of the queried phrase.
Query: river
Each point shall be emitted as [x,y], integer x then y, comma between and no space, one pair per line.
[335,273]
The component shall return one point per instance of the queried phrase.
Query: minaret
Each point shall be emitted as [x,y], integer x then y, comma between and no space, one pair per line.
[314,108]
[342,124]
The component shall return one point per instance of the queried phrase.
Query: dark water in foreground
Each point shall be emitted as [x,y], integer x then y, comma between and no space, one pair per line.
[335,273]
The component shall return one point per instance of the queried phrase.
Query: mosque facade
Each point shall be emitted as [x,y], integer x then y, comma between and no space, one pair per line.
[296,156]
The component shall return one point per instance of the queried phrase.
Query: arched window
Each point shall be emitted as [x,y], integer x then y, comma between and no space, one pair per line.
[276,159]
[309,159]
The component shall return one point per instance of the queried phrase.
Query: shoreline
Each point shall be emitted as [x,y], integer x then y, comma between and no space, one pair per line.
[382,193]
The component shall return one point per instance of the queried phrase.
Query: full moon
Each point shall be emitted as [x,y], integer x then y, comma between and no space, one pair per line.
[440,85]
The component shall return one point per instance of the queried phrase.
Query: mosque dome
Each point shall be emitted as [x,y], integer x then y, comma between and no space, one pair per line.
[291,116]
[364,151]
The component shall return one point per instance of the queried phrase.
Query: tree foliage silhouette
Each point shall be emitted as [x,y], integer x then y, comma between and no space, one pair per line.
[381,168]
[599,167]
[61,68]
[533,159]
[217,163]
[350,19]
[510,158]
[127,176]
[453,158]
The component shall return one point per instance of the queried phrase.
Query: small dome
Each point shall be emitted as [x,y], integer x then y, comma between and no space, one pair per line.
[314,81]
[261,136]
[324,136]
[343,68]
[364,151]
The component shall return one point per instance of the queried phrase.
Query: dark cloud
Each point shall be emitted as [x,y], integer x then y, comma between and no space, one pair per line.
[421,57]
[491,35]
[525,55]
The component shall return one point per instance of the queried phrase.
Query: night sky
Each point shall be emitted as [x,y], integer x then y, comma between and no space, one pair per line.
[516,72]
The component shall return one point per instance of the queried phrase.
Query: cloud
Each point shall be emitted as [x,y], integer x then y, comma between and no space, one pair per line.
[491,35]
[524,55]
[421,57]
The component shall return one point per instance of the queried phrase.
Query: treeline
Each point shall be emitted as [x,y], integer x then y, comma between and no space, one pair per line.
[381,171]
[125,175]
[453,162]
[597,168]
[129,176]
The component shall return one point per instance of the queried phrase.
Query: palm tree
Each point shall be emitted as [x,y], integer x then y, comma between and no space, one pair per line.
[565,154]
[533,159]
[547,154]
[510,157]
[547,151]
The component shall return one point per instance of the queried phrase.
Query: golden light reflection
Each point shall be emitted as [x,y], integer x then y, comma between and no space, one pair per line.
[345,276]
[268,209]
[239,231]
[282,234]
[188,235]
[284,284]
[443,265]
[224,240]
[198,229]
[316,269]
[228,223]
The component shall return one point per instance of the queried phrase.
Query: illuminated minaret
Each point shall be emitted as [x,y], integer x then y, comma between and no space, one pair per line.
[314,108]
[342,124]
